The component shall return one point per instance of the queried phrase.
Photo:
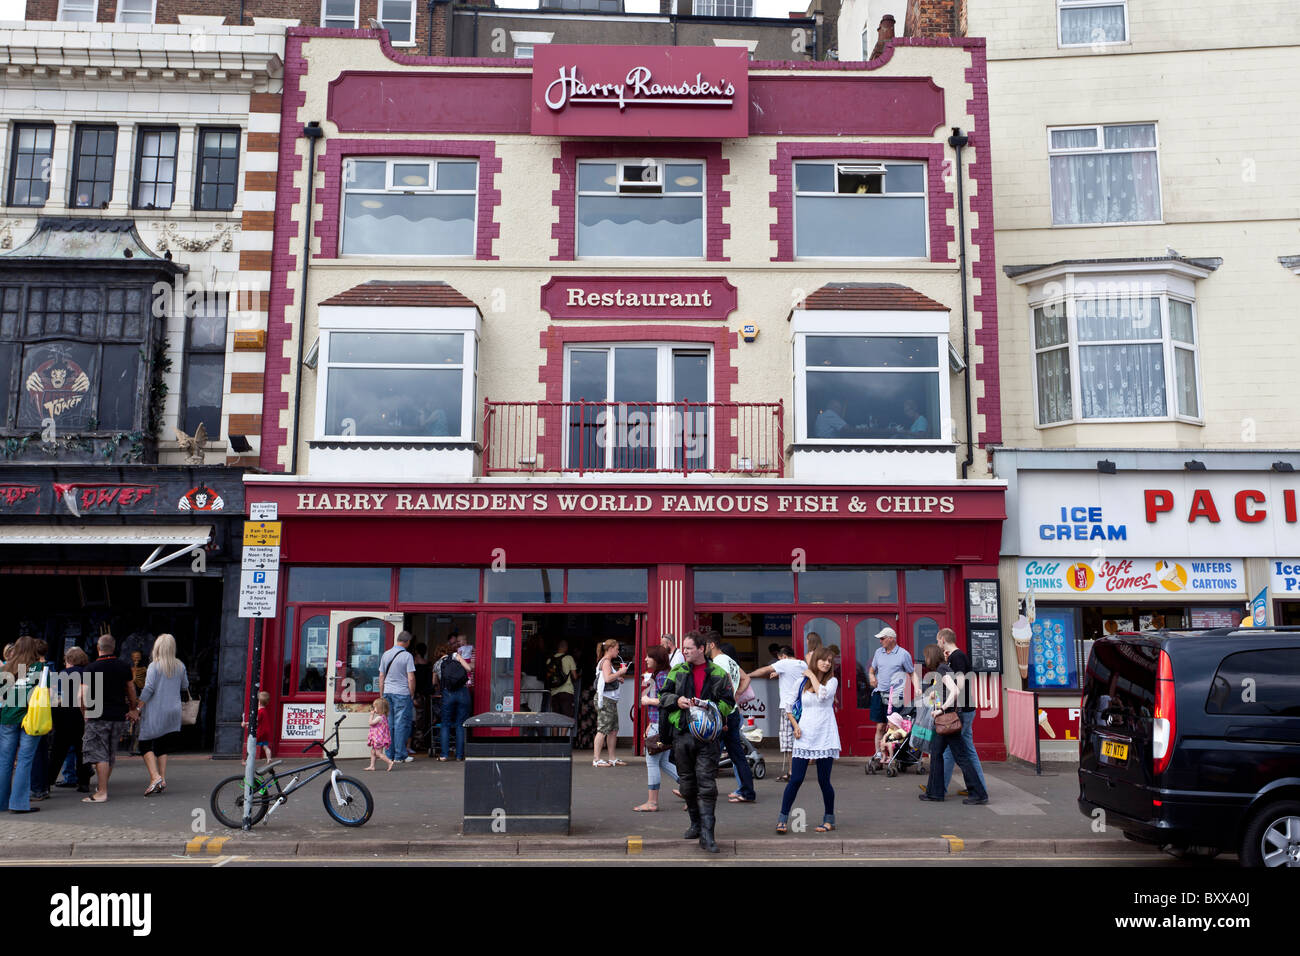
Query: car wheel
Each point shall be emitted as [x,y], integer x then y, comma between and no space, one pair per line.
[1273,836]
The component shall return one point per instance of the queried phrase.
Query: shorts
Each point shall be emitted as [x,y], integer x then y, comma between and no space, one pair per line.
[161,746]
[878,710]
[99,741]
[607,717]
[786,733]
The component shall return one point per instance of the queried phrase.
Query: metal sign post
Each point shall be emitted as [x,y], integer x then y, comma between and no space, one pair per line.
[258,593]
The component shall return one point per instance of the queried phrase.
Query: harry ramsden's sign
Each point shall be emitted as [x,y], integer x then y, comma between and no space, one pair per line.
[930,502]
[637,89]
[639,297]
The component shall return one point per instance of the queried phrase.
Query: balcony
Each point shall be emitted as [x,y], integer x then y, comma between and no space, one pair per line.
[686,438]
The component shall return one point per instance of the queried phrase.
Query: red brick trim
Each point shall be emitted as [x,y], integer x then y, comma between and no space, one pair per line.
[565,198]
[981,253]
[336,150]
[554,338]
[782,198]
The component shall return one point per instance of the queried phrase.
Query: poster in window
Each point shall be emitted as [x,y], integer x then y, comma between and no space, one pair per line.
[982,601]
[58,384]
[737,625]
[1052,651]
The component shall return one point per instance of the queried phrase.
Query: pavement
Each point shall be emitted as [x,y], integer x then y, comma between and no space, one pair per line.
[418,810]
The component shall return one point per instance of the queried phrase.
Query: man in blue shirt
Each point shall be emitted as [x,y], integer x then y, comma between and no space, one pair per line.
[889,667]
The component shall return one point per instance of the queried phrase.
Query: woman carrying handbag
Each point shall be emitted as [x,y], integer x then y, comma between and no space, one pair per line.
[658,756]
[947,733]
[25,717]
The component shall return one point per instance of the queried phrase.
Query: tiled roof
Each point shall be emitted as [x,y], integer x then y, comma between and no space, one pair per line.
[872,296]
[415,293]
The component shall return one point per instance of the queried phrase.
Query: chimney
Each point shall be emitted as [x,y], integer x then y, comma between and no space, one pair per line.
[935,18]
[884,33]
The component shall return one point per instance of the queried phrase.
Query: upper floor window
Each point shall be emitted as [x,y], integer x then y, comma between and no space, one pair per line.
[398,18]
[523,51]
[30,165]
[78,11]
[1104,174]
[1089,22]
[723,8]
[92,166]
[1115,356]
[135,11]
[641,209]
[599,6]
[339,13]
[155,168]
[859,209]
[411,207]
[205,364]
[217,180]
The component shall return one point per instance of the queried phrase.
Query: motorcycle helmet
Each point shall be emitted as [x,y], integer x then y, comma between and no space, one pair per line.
[705,722]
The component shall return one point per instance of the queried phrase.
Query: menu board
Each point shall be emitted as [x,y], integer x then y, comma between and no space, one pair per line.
[1215,617]
[1052,651]
[986,649]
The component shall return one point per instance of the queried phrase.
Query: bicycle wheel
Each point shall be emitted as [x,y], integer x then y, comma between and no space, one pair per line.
[357,804]
[228,802]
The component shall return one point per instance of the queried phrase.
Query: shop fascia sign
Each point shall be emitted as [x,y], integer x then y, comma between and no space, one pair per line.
[1164,578]
[639,297]
[1244,514]
[646,91]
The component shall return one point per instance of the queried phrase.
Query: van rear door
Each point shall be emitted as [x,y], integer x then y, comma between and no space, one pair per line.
[1119,695]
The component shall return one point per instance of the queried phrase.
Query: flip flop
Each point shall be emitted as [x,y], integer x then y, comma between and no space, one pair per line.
[619,763]
[645,809]
[93,800]
[737,798]
[601,763]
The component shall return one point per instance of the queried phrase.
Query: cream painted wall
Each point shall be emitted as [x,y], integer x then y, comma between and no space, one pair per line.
[510,352]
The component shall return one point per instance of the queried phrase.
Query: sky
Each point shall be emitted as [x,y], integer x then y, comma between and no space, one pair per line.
[12,9]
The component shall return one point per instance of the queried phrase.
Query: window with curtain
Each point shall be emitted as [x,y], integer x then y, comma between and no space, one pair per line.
[1129,356]
[1104,174]
[409,207]
[641,208]
[1089,22]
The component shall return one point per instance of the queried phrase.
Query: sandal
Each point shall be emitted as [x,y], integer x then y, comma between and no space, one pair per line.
[155,786]
[737,798]
[782,828]
[601,763]
[618,763]
[784,777]
[645,808]
[825,828]
[678,794]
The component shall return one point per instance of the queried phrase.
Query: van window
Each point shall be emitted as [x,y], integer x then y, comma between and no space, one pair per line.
[1120,681]
[1263,683]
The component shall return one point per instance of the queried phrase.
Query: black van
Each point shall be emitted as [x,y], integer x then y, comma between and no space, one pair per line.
[1192,738]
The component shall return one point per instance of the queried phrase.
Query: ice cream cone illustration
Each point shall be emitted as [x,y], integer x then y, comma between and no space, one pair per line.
[1020,633]
[1043,722]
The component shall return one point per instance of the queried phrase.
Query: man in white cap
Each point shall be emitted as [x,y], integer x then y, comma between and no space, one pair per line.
[889,666]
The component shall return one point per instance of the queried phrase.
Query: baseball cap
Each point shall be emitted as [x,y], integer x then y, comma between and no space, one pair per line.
[885,632]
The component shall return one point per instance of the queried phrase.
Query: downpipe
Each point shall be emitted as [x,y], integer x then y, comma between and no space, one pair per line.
[957,140]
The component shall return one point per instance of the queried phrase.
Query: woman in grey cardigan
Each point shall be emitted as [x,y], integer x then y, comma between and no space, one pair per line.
[160,720]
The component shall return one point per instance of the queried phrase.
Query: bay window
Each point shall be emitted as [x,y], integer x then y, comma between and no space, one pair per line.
[640,208]
[409,206]
[860,209]
[1104,174]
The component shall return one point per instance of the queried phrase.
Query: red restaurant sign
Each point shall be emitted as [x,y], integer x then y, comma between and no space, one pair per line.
[639,297]
[641,91]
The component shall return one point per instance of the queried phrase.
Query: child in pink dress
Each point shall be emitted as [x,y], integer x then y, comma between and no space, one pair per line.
[378,739]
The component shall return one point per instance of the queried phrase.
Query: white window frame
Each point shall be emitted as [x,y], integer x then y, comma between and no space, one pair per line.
[523,51]
[529,40]
[710,8]
[1178,286]
[356,13]
[924,195]
[391,189]
[620,162]
[664,447]
[81,6]
[1084,4]
[823,323]
[462,321]
[1099,150]
[410,6]
[153,12]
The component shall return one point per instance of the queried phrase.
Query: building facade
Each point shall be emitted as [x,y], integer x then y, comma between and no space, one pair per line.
[620,342]
[135,254]
[1145,221]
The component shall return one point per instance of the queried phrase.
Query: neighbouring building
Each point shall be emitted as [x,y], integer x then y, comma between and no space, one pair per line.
[622,341]
[1146,207]
[135,260]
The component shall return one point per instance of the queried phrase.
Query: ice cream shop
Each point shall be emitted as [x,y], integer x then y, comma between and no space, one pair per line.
[514,569]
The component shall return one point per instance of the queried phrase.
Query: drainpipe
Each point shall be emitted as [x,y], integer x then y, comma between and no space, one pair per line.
[313,132]
[957,140]
[473,47]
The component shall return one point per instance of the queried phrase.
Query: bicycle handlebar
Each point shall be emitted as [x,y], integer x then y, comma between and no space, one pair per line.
[333,736]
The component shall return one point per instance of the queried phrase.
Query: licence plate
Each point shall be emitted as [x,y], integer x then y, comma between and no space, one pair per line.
[1115,751]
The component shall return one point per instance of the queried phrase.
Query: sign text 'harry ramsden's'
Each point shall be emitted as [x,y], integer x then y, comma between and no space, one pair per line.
[637,89]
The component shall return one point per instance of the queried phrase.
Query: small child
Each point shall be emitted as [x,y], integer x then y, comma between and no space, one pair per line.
[263,726]
[378,740]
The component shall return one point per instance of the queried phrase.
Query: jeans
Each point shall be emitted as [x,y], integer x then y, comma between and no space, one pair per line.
[68,773]
[17,751]
[401,712]
[40,782]
[949,758]
[455,711]
[963,755]
[739,765]
[798,769]
[655,764]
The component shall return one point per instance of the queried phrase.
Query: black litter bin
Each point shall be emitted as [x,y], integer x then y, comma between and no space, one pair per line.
[518,784]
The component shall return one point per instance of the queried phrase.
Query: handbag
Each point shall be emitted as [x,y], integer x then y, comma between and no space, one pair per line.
[653,743]
[190,709]
[39,719]
[947,724]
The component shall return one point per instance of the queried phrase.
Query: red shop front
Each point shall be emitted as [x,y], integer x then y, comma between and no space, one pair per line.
[513,568]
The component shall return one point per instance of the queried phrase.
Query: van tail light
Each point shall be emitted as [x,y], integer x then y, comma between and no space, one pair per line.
[1165,725]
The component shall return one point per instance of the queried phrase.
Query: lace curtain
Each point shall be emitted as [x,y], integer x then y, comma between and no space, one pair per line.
[1092,24]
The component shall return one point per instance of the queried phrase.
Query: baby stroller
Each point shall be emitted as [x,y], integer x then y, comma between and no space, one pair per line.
[749,736]
[906,743]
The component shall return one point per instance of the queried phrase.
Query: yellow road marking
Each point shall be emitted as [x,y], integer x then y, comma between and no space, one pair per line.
[194,845]
[215,845]
[634,845]
[955,843]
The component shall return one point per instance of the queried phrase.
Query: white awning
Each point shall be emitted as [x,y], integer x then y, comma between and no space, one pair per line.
[153,535]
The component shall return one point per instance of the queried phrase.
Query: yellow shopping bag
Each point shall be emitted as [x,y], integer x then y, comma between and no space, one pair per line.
[39,719]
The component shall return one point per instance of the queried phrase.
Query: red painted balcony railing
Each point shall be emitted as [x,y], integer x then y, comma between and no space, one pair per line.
[736,438]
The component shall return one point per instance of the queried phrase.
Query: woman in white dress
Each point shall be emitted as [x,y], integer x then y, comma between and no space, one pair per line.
[816,736]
